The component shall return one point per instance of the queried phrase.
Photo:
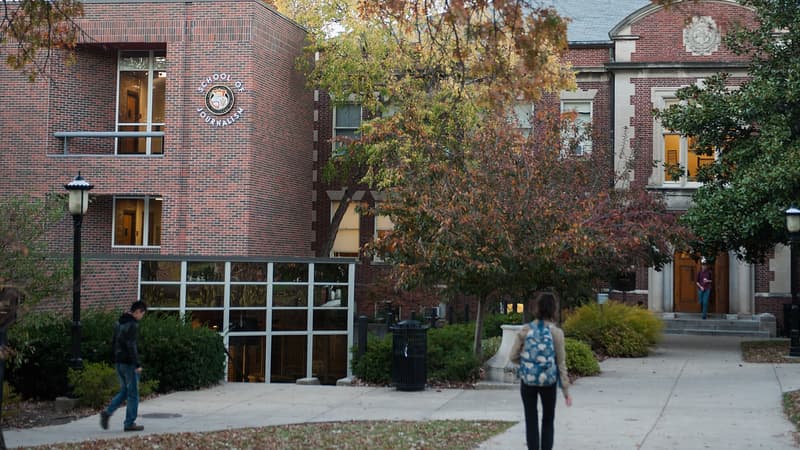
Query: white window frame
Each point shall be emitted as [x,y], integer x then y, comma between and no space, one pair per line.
[584,146]
[335,129]
[152,73]
[662,98]
[145,222]
[523,117]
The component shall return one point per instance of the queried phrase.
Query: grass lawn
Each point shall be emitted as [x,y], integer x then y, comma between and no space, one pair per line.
[436,434]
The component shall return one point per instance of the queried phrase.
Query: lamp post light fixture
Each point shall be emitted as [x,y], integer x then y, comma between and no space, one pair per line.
[78,190]
[793,226]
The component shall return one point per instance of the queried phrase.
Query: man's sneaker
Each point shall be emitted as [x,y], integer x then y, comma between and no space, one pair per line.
[104,419]
[134,427]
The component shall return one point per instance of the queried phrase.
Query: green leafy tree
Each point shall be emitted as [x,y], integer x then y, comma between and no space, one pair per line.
[31,29]
[28,270]
[754,132]
[479,208]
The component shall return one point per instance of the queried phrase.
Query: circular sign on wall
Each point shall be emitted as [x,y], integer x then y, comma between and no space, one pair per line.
[219,91]
[219,99]
[701,37]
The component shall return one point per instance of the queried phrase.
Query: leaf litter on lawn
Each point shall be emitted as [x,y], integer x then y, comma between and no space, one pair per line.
[355,435]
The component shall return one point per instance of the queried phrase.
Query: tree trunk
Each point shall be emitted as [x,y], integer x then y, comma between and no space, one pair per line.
[326,246]
[477,344]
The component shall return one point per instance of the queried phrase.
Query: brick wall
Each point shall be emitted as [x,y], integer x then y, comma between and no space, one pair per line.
[235,190]
[661,33]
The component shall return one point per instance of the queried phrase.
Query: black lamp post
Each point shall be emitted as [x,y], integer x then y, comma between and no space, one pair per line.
[793,226]
[78,190]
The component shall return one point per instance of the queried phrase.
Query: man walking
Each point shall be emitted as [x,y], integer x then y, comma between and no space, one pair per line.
[126,357]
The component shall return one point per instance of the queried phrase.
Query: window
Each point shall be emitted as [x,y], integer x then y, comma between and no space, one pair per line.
[383,226]
[137,221]
[579,138]
[523,118]
[346,121]
[681,163]
[141,101]
[346,243]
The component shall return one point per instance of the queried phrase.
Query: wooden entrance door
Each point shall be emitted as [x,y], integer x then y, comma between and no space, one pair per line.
[685,289]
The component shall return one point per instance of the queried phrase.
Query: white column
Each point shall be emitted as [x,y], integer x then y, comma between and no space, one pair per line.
[655,290]
[742,281]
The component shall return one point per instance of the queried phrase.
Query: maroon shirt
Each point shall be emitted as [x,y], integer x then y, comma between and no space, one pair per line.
[704,278]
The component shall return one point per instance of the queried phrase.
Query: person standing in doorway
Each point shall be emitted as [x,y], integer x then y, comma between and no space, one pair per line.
[704,281]
[539,351]
[126,358]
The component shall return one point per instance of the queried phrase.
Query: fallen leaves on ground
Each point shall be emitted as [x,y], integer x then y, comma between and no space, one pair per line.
[435,434]
[774,351]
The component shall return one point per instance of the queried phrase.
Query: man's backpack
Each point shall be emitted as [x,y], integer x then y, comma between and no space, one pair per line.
[537,360]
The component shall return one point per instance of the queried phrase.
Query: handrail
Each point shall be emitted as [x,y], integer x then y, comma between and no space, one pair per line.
[104,134]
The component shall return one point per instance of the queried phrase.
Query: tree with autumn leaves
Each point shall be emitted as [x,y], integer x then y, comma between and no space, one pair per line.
[31,29]
[478,206]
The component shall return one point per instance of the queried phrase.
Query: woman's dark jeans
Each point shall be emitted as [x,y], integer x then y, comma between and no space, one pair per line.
[530,398]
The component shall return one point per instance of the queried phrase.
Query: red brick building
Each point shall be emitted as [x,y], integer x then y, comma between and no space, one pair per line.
[212,202]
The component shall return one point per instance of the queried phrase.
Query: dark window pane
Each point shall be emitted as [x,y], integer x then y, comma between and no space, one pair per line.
[330,296]
[288,362]
[290,272]
[330,319]
[248,295]
[241,271]
[204,295]
[334,273]
[247,358]
[210,319]
[161,295]
[206,271]
[248,320]
[161,271]
[329,360]
[289,320]
[289,295]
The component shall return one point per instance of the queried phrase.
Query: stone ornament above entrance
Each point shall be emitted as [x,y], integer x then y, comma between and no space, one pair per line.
[701,37]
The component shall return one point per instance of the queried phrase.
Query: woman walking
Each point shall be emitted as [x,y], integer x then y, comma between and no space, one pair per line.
[539,351]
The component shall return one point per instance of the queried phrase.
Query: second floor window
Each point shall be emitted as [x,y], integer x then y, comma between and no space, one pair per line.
[137,221]
[346,121]
[141,100]
[582,110]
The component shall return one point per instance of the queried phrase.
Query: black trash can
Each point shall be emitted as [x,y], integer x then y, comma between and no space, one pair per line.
[409,355]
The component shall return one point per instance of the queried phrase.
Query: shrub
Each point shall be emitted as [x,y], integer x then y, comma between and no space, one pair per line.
[450,354]
[11,401]
[490,347]
[39,366]
[179,356]
[375,365]
[580,358]
[492,322]
[623,341]
[96,383]
[450,357]
[610,324]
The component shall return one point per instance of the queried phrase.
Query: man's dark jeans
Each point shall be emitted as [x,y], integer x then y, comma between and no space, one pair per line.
[129,393]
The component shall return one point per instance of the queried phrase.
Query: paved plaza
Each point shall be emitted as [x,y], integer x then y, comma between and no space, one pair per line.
[693,392]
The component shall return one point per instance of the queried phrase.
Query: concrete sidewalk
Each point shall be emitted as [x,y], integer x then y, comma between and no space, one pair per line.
[692,393]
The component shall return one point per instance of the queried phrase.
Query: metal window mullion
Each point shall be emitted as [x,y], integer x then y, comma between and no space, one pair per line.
[146,221]
[351,282]
[310,323]
[182,301]
[268,344]
[226,313]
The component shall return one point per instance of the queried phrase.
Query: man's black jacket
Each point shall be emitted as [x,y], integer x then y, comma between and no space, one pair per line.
[126,331]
